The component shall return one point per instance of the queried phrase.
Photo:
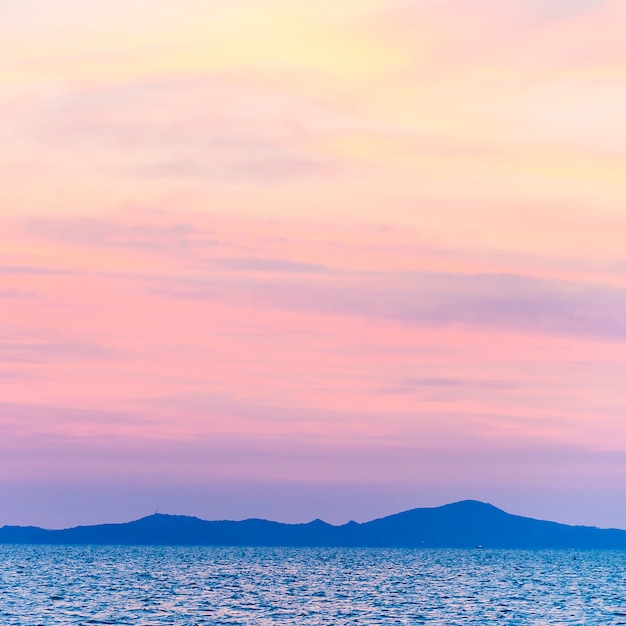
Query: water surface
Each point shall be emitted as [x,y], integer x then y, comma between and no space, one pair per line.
[51,585]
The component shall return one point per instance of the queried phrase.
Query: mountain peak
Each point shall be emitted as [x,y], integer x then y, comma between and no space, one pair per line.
[472,505]
[462,524]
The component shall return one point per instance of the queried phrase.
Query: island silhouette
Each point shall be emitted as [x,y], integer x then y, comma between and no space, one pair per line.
[465,524]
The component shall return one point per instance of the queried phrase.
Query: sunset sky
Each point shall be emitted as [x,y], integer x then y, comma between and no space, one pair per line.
[295,259]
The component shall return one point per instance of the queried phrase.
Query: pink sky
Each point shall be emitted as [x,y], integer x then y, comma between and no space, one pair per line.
[312,259]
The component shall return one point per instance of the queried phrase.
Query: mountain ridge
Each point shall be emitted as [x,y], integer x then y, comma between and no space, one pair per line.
[464,524]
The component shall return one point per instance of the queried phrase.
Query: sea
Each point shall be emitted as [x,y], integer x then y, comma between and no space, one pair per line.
[48,585]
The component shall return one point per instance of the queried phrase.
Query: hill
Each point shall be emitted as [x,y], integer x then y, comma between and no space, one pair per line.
[463,524]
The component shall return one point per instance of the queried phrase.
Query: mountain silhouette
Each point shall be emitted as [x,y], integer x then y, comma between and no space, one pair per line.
[465,524]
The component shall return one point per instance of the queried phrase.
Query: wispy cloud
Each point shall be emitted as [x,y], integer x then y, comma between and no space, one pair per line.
[33,270]
[38,349]
[86,231]
[495,301]
[17,293]
[260,264]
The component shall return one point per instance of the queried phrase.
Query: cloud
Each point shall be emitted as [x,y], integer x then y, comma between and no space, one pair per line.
[448,388]
[436,448]
[16,293]
[211,127]
[563,9]
[260,264]
[487,301]
[274,167]
[36,349]
[34,270]
[55,419]
[116,233]
[463,383]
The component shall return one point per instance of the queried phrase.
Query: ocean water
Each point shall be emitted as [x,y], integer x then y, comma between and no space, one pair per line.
[50,585]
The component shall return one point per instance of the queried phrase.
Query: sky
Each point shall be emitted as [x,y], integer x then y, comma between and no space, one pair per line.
[291,259]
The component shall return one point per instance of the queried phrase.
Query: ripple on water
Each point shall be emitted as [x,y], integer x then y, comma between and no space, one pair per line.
[208,585]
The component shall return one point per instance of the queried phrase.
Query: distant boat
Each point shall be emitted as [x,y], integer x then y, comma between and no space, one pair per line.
[479,547]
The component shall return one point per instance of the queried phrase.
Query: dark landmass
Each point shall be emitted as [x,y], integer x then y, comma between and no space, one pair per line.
[466,524]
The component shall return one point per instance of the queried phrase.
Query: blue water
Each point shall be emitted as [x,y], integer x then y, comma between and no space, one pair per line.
[161,585]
